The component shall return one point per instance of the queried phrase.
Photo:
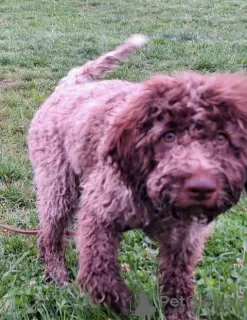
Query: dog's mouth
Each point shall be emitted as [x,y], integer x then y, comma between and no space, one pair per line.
[195,214]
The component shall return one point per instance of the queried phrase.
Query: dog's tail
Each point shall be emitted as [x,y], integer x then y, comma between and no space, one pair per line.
[97,68]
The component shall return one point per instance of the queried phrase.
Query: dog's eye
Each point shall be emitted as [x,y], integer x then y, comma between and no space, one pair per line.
[221,138]
[170,136]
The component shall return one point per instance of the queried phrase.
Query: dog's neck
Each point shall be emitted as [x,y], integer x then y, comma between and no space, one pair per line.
[144,206]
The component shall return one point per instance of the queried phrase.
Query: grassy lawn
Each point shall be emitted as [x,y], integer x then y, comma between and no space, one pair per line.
[40,40]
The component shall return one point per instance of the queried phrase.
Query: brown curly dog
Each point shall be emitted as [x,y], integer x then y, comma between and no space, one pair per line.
[167,156]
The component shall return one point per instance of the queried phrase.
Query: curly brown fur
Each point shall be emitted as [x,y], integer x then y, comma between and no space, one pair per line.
[167,156]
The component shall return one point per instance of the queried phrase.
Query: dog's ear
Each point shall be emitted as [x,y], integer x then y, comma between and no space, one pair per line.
[128,144]
[230,90]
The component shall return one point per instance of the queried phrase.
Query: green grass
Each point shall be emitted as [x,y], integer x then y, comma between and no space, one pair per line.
[40,40]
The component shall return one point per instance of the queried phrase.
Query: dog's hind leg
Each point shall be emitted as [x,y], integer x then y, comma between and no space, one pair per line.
[57,196]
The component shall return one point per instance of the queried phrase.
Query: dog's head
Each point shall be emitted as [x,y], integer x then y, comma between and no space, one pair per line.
[181,144]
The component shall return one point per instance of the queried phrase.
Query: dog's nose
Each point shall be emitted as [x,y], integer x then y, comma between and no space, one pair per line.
[200,186]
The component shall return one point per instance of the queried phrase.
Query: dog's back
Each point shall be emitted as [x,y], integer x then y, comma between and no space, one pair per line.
[79,110]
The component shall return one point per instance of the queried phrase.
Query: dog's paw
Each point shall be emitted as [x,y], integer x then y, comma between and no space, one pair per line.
[57,276]
[121,300]
[181,313]
[113,294]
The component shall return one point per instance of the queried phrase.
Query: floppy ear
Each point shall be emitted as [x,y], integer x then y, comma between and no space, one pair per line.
[128,144]
[230,91]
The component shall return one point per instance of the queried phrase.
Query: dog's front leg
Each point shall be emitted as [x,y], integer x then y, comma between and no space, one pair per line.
[181,247]
[99,272]
[176,281]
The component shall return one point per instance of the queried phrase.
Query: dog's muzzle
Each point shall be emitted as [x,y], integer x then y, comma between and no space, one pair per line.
[200,189]
[198,198]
